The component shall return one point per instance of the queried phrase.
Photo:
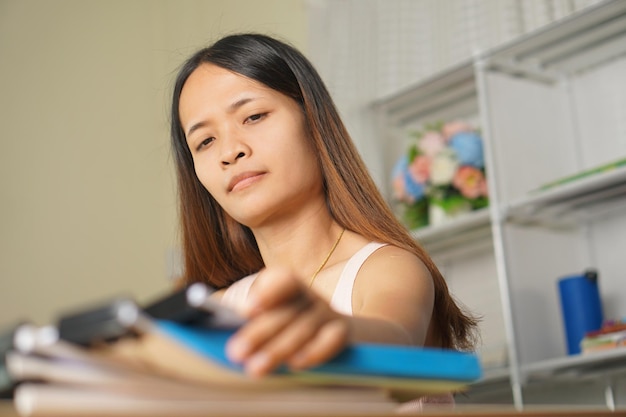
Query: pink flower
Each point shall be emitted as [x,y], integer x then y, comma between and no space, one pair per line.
[452,128]
[431,143]
[398,188]
[420,169]
[470,182]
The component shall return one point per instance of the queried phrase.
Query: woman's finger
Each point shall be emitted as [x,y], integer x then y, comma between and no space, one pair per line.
[262,328]
[291,339]
[328,342]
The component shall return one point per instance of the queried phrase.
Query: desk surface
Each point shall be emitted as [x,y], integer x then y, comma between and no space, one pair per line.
[7,410]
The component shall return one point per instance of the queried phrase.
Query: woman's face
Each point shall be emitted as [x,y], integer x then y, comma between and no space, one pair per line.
[249,146]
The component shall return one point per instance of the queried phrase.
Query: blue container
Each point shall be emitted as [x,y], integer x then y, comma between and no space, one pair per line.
[581,307]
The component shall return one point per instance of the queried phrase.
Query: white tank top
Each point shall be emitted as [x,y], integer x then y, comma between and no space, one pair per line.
[236,294]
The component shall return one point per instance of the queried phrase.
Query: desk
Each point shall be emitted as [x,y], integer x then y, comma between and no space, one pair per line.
[7,410]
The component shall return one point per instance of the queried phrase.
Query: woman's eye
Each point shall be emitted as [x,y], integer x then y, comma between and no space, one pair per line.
[255,117]
[205,142]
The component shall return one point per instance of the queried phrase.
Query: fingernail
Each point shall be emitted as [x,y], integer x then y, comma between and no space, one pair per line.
[237,349]
[258,364]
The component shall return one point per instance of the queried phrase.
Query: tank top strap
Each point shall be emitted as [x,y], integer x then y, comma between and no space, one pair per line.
[342,297]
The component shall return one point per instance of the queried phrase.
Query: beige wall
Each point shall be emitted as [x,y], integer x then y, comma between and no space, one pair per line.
[87,198]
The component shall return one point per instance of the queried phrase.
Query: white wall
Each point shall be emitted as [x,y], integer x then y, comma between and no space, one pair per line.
[87,203]
[370,49]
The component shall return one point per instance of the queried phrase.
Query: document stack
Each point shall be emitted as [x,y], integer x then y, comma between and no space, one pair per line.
[168,359]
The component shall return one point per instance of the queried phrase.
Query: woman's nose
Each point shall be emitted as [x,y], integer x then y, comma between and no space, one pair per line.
[234,148]
[230,159]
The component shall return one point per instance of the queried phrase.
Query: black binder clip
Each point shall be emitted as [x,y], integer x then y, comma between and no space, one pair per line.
[122,317]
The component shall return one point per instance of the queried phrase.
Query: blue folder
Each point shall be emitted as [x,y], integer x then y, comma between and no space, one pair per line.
[391,366]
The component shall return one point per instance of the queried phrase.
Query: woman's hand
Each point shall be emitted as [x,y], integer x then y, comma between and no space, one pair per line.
[288,324]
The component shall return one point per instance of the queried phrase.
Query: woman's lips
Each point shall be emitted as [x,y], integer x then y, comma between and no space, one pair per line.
[243,180]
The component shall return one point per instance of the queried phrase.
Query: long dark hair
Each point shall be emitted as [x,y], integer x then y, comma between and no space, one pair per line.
[219,251]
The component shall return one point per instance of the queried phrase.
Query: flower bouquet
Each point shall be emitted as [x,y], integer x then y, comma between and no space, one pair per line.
[441,175]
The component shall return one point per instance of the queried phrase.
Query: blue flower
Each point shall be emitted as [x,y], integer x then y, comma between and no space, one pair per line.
[468,147]
[412,187]
[409,188]
[401,166]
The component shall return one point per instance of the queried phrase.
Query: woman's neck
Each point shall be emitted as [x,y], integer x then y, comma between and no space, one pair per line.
[299,244]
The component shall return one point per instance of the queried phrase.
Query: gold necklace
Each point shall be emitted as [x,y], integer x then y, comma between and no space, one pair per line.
[327,258]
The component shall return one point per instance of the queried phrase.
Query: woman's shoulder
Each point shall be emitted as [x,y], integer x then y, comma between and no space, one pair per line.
[388,254]
[380,256]
[393,261]
[394,284]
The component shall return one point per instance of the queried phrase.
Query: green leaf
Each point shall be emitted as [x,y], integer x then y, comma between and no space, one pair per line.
[416,215]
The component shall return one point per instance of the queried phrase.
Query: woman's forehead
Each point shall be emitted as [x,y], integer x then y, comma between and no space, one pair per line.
[212,77]
[210,85]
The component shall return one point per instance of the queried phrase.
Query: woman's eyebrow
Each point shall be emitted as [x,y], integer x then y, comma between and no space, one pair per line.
[231,108]
[238,103]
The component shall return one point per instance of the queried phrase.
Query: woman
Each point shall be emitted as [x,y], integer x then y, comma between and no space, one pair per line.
[279,212]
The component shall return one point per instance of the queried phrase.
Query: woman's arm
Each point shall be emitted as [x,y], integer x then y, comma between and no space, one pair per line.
[393,286]
[289,323]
